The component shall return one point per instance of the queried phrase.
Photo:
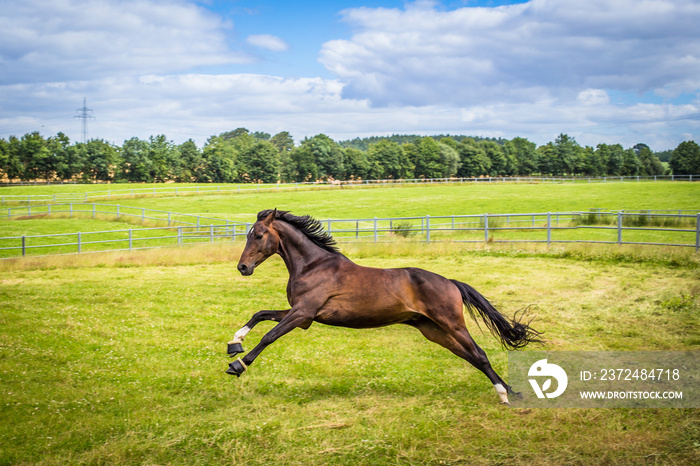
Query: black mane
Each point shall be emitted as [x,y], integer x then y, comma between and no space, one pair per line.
[308,225]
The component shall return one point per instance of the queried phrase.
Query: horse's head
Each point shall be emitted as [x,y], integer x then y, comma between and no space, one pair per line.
[263,241]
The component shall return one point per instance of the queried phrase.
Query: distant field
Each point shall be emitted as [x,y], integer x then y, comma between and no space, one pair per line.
[395,201]
[427,200]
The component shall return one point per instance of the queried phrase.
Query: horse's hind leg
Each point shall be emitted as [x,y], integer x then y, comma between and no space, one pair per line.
[459,342]
[235,346]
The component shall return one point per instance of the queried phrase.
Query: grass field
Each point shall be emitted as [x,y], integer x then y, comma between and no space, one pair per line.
[118,358]
[426,199]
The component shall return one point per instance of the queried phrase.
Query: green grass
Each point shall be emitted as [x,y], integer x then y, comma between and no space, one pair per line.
[430,200]
[410,200]
[438,200]
[118,359]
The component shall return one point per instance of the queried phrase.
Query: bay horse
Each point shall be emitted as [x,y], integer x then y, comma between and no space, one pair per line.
[326,287]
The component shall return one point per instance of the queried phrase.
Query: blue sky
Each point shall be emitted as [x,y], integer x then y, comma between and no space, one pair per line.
[602,71]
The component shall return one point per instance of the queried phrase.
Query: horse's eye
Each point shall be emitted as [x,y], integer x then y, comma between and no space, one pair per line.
[258,236]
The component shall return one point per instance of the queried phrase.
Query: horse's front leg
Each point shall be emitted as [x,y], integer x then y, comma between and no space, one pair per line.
[235,346]
[288,323]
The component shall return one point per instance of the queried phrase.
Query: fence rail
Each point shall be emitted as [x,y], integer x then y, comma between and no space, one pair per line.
[14,199]
[93,210]
[663,228]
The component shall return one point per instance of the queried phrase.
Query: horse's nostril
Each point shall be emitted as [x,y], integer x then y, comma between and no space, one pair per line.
[242,268]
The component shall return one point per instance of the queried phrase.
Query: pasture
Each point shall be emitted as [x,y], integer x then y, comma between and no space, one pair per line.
[119,358]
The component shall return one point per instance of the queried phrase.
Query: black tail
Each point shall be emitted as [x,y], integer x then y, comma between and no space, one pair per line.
[513,333]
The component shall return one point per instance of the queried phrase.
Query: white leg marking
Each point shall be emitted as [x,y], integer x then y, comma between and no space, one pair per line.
[502,393]
[239,336]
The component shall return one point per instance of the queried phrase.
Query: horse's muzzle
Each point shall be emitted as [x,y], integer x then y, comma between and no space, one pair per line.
[246,270]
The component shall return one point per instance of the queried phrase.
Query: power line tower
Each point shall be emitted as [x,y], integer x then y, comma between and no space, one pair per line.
[84,114]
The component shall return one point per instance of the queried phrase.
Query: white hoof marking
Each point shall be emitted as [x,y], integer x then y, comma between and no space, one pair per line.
[502,393]
[239,336]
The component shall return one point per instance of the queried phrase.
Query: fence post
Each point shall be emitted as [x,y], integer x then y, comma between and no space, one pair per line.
[179,235]
[117,212]
[24,245]
[375,229]
[619,228]
[697,233]
[427,228]
[131,240]
[80,245]
[169,215]
[486,228]
[211,233]
[357,229]
[549,228]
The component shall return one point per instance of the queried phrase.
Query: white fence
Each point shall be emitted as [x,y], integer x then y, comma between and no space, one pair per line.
[14,199]
[663,228]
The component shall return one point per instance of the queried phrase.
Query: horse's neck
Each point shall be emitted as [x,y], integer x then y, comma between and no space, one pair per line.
[299,252]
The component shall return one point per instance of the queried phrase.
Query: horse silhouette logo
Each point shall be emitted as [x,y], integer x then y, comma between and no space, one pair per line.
[544,369]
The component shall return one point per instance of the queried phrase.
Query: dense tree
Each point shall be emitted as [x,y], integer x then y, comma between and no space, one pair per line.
[356,164]
[234,134]
[591,165]
[449,160]
[613,157]
[101,160]
[567,156]
[525,153]
[165,159]
[427,158]
[630,163]
[302,165]
[244,156]
[495,153]
[283,142]
[70,162]
[219,157]
[685,159]
[35,158]
[650,165]
[259,162]
[135,164]
[387,159]
[13,165]
[328,157]
[473,160]
[191,162]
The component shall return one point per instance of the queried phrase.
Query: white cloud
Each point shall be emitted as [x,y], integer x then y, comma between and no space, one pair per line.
[515,53]
[268,42]
[57,40]
[590,97]
[532,70]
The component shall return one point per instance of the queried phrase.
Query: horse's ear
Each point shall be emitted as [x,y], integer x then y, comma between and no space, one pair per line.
[268,220]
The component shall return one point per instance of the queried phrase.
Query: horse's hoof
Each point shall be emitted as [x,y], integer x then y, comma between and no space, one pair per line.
[234,348]
[236,368]
[516,395]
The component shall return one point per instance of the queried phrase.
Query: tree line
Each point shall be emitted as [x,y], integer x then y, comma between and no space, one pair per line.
[241,156]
